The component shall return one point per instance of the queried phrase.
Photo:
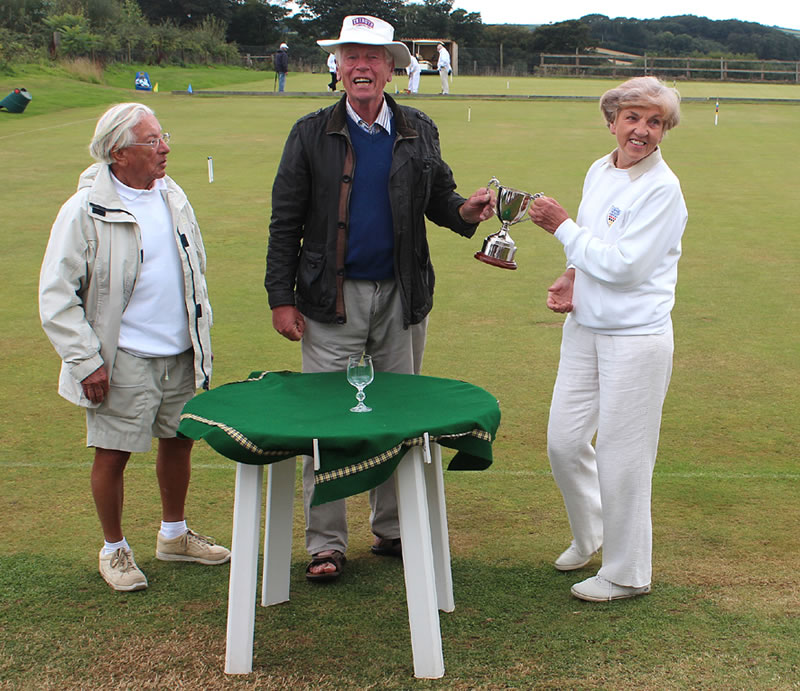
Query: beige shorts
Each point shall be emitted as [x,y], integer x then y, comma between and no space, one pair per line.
[144,401]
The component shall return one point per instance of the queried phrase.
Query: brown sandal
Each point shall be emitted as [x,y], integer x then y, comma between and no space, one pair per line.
[385,547]
[335,557]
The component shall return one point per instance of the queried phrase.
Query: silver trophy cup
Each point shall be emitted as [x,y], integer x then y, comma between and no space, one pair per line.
[512,206]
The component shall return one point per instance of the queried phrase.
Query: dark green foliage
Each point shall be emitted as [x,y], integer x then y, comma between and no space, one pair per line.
[256,23]
[688,35]
[214,31]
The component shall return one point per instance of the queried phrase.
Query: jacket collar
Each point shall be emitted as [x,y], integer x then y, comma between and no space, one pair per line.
[104,200]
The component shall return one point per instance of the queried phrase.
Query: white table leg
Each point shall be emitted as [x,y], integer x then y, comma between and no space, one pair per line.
[244,569]
[418,567]
[434,485]
[278,532]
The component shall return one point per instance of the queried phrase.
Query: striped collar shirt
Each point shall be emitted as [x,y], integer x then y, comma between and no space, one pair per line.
[384,119]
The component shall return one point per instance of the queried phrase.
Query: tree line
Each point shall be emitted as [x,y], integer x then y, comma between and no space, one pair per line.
[201,31]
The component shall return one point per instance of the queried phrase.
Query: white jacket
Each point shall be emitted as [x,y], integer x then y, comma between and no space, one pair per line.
[444,60]
[90,268]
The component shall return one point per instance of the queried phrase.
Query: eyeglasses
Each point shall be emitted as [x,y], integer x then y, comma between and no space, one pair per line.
[153,143]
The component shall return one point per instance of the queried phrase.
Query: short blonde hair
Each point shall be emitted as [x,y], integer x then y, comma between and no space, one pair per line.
[114,129]
[640,91]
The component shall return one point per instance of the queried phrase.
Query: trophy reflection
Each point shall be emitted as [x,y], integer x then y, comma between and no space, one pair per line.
[512,205]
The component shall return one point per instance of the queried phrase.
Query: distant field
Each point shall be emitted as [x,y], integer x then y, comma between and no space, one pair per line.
[53,89]
[725,607]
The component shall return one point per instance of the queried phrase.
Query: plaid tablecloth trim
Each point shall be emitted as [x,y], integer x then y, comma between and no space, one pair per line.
[389,454]
[239,438]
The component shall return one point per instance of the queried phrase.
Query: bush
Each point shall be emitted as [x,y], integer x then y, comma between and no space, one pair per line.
[14,47]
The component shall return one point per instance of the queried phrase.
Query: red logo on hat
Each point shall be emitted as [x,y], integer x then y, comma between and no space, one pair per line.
[363,21]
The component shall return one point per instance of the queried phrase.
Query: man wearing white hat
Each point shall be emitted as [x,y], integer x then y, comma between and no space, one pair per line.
[348,264]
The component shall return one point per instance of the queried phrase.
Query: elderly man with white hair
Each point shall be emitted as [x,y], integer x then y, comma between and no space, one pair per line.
[348,263]
[123,300]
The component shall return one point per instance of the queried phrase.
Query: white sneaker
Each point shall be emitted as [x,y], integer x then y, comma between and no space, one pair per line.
[119,570]
[598,589]
[572,559]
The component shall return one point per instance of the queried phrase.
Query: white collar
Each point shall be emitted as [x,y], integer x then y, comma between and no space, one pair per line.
[637,169]
[131,193]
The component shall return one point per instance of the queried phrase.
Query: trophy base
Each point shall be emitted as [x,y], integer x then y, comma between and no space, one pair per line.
[494,261]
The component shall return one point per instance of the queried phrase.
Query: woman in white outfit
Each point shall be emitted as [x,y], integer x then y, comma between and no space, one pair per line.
[616,350]
[413,70]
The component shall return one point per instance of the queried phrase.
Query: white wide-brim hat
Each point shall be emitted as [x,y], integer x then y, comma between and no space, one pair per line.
[369,31]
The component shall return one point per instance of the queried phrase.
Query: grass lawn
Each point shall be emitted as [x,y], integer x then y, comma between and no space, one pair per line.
[725,606]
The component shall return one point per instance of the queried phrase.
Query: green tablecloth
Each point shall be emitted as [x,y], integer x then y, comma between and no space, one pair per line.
[272,416]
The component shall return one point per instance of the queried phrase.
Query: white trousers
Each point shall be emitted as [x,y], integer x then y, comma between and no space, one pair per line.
[443,78]
[374,326]
[612,387]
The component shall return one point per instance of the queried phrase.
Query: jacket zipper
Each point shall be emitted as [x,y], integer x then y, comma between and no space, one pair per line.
[198,310]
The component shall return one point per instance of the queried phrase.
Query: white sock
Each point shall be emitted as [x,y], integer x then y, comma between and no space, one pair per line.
[111,547]
[172,529]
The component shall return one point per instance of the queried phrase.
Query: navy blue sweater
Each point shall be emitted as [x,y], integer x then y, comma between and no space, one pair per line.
[370,242]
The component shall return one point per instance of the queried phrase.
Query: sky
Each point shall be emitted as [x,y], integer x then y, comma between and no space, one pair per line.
[782,13]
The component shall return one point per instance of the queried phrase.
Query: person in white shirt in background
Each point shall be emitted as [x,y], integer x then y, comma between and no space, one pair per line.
[616,349]
[443,65]
[332,70]
[123,300]
[413,70]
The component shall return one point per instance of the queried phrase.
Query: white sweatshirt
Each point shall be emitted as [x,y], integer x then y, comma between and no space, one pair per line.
[625,247]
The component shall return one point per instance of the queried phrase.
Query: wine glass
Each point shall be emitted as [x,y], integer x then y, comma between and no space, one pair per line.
[360,374]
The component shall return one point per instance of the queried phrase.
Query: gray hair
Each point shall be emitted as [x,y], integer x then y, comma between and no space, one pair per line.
[114,129]
[640,91]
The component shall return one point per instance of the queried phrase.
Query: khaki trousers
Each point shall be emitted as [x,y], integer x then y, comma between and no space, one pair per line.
[374,326]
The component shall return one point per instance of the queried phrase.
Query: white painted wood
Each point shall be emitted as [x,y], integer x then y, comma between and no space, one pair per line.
[278,532]
[244,569]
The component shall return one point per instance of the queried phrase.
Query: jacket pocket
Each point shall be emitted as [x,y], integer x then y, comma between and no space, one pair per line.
[310,275]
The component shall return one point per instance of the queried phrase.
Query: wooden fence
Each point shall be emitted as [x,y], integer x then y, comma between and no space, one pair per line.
[722,69]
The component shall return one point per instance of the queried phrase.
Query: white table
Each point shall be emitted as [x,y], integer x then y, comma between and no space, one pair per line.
[423,524]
